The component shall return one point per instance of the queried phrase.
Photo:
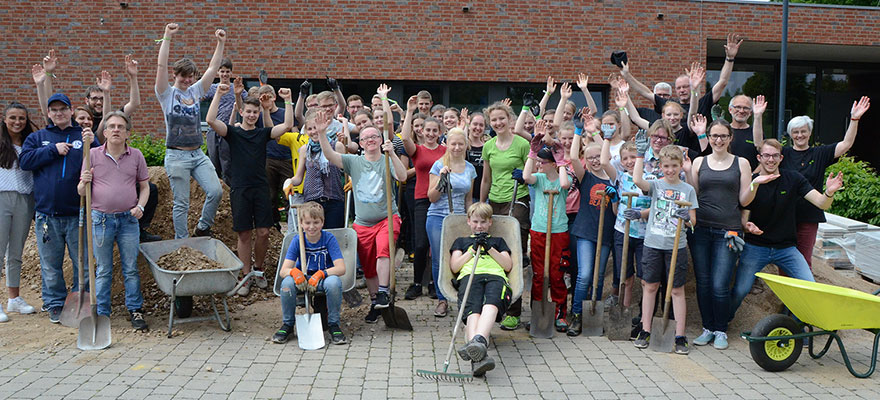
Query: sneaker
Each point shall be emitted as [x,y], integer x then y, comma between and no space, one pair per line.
[481,367]
[705,338]
[55,315]
[510,323]
[611,301]
[382,300]
[681,345]
[261,282]
[336,335]
[137,320]
[202,232]
[413,292]
[44,308]
[561,323]
[245,289]
[474,350]
[283,334]
[149,237]
[3,316]
[442,309]
[20,306]
[643,340]
[372,316]
[575,325]
[432,291]
[721,340]
[634,333]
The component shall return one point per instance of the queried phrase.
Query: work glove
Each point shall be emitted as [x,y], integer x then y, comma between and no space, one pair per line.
[516,174]
[559,155]
[641,142]
[682,213]
[299,279]
[529,101]
[305,88]
[734,242]
[611,192]
[481,240]
[332,83]
[316,278]
[608,131]
[443,182]
[536,144]
[632,214]
[288,187]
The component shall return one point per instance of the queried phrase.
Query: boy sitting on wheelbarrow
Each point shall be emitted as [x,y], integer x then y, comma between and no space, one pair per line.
[324,269]
[490,294]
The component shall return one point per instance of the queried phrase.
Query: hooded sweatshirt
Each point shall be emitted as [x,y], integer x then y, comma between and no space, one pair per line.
[55,176]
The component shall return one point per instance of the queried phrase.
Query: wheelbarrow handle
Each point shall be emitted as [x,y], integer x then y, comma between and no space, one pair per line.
[253,273]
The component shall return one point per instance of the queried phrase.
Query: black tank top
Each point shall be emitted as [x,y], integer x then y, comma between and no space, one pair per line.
[719,197]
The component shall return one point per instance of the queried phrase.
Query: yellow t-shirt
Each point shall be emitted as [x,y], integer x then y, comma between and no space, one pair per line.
[486,264]
[294,140]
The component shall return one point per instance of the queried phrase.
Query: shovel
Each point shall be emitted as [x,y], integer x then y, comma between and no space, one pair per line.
[594,317]
[75,309]
[394,316]
[309,330]
[544,309]
[619,321]
[663,338]
[94,329]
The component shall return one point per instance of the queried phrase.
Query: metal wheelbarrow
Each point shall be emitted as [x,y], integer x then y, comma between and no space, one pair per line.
[197,283]
[777,340]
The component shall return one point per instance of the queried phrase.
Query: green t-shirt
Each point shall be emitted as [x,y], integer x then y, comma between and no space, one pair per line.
[368,183]
[486,264]
[539,217]
[502,163]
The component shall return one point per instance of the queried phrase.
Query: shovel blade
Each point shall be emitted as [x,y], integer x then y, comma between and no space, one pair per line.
[94,333]
[76,307]
[353,298]
[543,316]
[618,323]
[662,335]
[396,318]
[593,321]
[309,332]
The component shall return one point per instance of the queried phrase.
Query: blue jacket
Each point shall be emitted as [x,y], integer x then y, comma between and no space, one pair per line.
[55,176]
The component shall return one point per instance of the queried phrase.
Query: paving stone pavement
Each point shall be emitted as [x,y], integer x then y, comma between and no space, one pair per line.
[207,363]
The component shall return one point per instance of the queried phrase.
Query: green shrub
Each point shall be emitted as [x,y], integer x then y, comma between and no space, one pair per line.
[152,147]
[860,198]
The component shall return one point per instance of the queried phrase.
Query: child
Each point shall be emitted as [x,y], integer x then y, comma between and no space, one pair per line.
[325,266]
[551,176]
[218,149]
[659,237]
[249,195]
[490,294]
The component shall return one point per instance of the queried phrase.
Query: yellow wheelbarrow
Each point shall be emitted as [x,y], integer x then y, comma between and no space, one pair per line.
[777,340]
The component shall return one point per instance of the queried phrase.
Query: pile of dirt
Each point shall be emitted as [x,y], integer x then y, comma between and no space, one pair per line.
[187,259]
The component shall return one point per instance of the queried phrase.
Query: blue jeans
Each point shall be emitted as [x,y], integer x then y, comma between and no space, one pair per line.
[434,225]
[331,286]
[53,233]
[714,264]
[179,166]
[583,289]
[755,258]
[122,229]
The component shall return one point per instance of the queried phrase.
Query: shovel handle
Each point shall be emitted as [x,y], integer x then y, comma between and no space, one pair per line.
[513,200]
[390,221]
[671,279]
[547,243]
[596,263]
[623,263]
[467,292]
[88,222]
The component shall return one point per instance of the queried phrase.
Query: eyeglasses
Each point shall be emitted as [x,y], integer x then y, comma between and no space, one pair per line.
[719,137]
[741,108]
[593,158]
[96,98]
[658,138]
[371,137]
[58,110]
[776,156]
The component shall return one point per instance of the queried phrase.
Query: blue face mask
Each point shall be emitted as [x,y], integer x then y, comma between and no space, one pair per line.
[608,129]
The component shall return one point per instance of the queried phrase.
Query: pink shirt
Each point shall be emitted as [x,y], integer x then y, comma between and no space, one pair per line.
[114,182]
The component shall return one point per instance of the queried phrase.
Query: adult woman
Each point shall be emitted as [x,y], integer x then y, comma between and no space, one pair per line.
[476,137]
[16,203]
[83,117]
[720,179]
[322,181]
[502,155]
[423,157]
[811,162]
[460,174]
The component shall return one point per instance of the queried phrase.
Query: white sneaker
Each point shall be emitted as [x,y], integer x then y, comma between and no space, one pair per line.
[20,306]
[245,289]
[3,316]
[261,282]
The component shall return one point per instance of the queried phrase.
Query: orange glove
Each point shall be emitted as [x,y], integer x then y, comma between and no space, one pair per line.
[298,278]
[347,186]
[288,187]
[316,278]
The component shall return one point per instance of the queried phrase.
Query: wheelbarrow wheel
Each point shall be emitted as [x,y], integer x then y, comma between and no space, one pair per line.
[776,355]
[183,306]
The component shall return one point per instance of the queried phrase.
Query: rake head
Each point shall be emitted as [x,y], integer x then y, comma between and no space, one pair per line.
[445,376]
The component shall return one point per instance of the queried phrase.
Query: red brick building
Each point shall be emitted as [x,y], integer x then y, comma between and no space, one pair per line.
[492,50]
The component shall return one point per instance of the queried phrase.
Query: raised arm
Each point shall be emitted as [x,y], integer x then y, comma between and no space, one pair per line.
[858,109]
[162,63]
[304,89]
[406,132]
[104,82]
[697,125]
[337,92]
[134,91]
[551,87]
[211,118]
[238,89]
[605,159]
[564,95]
[760,105]
[575,151]
[823,200]
[634,116]
[214,66]
[519,127]
[279,130]
[696,75]
[639,87]
[322,121]
[730,50]
[639,169]
[583,83]
[39,80]
[620,101]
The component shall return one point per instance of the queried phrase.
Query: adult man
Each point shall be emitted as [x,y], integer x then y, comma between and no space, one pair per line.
[770,222]
[743,144]
[54,154]
[662,90]
[116,171]
[183,136]
[355,104]
[425,102]
[218,149]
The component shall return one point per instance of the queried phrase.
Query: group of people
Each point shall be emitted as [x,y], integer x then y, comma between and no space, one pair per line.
[752,201]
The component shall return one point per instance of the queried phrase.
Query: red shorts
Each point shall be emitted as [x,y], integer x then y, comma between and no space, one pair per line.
[373,243]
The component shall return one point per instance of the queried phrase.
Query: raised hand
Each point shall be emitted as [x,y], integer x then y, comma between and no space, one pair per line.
[586,118]
[104,81]
[464,119]
[860,107]
[284,93]
[559,155]
[540,128]
[565,91]
[583,81]
[760,105]
[131,66]
[322,121]
[383,90]
[732,46]
[305,88]
[641,140]
[221,35]
[171,29]
[834,183]
[696,74]
[39,73]
[620,100]
[50,62]
[222,89]
[237,86]
[412,103]
[622,85]
[551,85]
[332,83]
[506,102]
[698,124]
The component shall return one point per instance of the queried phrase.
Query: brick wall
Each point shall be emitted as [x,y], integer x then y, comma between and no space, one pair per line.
[400,40]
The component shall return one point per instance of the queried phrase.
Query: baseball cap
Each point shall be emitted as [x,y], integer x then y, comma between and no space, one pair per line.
[59,97]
